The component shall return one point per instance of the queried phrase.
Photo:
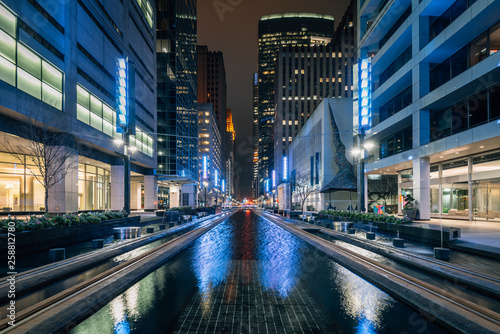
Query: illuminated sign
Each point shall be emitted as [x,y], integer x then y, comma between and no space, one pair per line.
[125,92]
[223,185]
[365,94]
[267,184]
[205,167]
[274,178]
[285,168]
[216,181]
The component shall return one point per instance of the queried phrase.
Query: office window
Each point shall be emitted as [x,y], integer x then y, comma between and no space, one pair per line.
[7,72]
[7,47]
[494,101]
[478,49]
[29,61]
[8,21]
[478,109]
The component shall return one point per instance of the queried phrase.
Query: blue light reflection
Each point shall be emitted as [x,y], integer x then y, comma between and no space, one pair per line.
[279,259]
[212,258]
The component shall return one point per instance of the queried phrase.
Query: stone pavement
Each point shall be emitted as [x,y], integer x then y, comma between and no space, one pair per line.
[480,235]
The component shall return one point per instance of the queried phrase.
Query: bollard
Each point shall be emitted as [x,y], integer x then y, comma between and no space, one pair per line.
[57,254]
[351,230]
[398,242]
[370,235]
[98,243]
[162,227]
[150,230]
[442,253]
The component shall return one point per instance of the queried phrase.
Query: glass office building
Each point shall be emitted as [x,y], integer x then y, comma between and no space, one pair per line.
[177,101]
[435,102]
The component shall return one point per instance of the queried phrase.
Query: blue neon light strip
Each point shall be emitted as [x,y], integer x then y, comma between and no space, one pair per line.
[121,94]
[205,167]
[285,168]
[365,94]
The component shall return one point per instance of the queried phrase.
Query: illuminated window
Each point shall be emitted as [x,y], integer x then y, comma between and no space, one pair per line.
[35,76]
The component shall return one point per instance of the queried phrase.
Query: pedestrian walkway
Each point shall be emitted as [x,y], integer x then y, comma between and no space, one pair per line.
[482,236]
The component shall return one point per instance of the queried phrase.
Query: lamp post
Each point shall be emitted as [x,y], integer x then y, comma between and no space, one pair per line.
[205,184]
[274,191]
[126,157]
[362,157]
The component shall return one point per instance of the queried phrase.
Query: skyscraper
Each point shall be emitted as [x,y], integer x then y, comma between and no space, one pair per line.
[212,83]
[255,134]
[276,31]
[177,114]
[304,76]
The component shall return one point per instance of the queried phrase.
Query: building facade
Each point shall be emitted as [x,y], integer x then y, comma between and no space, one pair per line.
[210,157]
[434,102]
[212,82]
[255,136]
[230,150]
[276,31]
[305,75]
[59,68]
[312,161]
[177,102]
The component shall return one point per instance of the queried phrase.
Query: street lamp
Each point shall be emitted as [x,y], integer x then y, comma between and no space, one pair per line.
[205,184]
[362,158]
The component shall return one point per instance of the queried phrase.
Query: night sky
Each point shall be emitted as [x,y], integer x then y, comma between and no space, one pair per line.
[232,28]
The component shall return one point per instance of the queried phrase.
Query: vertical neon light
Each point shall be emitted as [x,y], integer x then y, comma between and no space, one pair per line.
[205,167]
[121,94]
[274,178]
[223,185]
[285,169]
[216,178]
[365,94]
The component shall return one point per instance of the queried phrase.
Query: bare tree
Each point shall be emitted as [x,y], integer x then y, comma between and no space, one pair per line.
[303,188]
[44,152]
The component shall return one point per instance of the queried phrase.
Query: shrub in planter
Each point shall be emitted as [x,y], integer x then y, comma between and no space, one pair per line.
[4,224]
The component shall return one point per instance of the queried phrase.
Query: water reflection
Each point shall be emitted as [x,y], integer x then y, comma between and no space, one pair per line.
[211,261]
[279,258]
[248,274]
[360,300]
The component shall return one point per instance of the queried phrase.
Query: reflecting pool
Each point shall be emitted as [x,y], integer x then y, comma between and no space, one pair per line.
[247,275]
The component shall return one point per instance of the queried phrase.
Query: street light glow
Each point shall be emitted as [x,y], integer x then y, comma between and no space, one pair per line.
[368,145]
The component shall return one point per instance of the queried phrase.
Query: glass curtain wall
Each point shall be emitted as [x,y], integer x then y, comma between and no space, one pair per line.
[94,188]
[19,189]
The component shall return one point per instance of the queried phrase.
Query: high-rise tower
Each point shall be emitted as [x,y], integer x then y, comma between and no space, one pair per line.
[276,31]
[177,113]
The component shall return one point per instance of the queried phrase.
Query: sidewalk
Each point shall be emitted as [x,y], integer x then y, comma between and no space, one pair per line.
[476,235]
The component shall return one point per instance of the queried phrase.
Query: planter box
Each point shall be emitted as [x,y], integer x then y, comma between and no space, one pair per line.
[34,241]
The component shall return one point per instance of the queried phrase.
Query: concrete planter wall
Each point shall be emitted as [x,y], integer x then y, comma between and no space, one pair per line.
[431,235]
[34,241]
